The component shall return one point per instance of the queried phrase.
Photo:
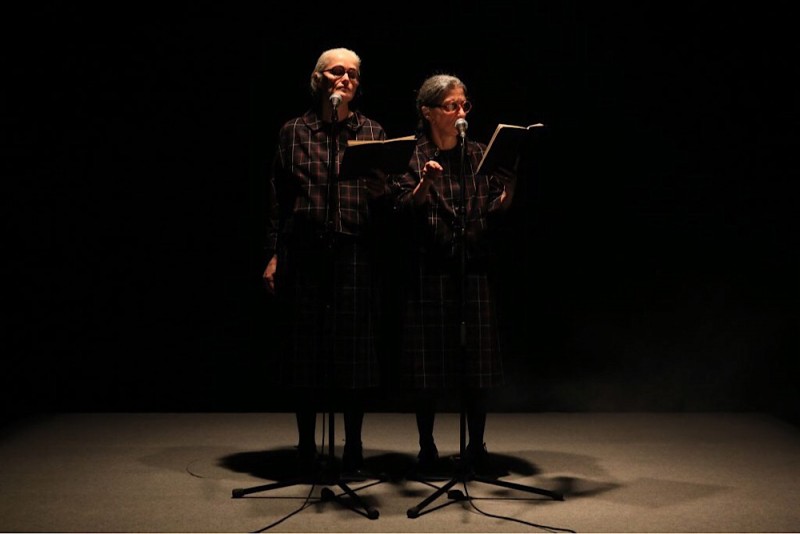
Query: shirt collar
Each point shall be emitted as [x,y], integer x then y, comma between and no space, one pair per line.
[312,119]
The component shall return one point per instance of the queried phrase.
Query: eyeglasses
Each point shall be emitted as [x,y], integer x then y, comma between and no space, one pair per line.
[453,106]
[339,71]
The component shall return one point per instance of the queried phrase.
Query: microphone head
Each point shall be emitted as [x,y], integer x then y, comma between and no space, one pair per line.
[461,126]
[335,99]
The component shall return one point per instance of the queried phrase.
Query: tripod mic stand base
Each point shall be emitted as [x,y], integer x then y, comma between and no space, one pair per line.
[354,503]
[328,495]
[456,495]
[466,475]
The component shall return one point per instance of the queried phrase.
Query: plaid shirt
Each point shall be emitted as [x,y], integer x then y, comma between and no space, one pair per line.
[300,186]
[437,221]
[432,354]
[325,276]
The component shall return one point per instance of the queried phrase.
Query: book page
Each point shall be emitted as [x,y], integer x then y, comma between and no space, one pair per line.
[356,142]
[365,157]
[504,147]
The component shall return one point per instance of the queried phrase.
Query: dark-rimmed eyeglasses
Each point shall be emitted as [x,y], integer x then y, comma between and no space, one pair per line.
[340,71]
[453,106]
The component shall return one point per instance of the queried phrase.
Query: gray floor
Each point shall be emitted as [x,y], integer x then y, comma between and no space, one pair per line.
[618,472]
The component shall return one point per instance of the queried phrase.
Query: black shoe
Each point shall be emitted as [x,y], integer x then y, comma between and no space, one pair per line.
[428,458]
[478,460]
[352,459]
[307,458]
[430,466]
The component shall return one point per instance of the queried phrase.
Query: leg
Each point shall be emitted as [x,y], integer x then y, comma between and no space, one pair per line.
[426,417]
[306,417]
[306,430]
[477,406]
[476,454]
[353,456]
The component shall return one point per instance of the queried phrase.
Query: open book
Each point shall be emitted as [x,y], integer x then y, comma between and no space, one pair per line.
[504,147]
[390,156]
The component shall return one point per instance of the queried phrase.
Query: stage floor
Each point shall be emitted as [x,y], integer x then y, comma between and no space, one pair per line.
[618,472]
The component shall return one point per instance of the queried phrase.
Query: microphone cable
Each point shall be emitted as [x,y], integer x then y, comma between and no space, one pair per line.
[546,528]
[307,501]
[306,504]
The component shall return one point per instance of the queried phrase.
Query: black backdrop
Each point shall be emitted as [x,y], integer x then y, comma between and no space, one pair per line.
[650,262]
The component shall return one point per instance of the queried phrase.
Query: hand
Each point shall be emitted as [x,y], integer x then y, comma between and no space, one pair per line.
[431,172]
[376,183]
[269,275]
[506,176]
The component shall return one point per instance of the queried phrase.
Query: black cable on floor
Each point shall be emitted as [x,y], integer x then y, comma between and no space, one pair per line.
[306,504]
[546,528]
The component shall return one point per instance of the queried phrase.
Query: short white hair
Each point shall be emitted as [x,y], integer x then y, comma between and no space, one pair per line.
[324,61]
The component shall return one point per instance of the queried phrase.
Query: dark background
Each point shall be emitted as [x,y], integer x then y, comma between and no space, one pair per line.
[650,262]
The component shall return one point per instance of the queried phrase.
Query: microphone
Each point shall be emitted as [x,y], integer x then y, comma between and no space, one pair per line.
[335,99]
[461,126]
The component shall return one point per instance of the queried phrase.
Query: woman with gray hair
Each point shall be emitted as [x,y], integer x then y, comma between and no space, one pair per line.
[319,258]
[448,209]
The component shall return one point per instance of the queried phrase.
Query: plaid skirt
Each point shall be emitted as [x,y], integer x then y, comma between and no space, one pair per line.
[328,320]
[433,355]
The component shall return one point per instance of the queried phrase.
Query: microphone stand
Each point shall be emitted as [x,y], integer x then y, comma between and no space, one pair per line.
[327,474]
[463,471]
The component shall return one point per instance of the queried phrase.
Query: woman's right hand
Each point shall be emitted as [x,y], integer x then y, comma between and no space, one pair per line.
[431,172]
[269,274]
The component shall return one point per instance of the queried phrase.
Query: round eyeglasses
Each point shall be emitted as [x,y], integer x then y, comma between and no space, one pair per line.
[339,71]
[450,107]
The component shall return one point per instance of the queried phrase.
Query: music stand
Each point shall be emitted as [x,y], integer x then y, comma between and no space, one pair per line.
[463,472]
[328,472]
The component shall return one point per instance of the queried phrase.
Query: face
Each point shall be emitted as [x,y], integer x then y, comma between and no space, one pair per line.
[341,76]
[443,121]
